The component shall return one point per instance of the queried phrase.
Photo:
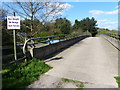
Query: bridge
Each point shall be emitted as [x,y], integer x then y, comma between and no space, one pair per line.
[93,60]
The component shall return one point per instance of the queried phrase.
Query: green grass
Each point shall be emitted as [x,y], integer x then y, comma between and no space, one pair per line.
[70,80]
[79,84]
[23,74]
[118,80]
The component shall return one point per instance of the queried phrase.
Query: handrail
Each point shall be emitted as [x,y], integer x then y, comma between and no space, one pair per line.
[66,36]
[25,44]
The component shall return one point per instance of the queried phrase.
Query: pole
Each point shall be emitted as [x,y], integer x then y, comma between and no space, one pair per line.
[15,53]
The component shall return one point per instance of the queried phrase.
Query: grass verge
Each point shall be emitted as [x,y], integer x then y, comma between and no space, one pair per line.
[23,74]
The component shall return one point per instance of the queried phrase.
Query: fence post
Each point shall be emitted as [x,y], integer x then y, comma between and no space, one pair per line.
[49,41]
[59,38]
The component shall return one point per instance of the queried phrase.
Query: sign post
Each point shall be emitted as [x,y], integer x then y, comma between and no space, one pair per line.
[13,22]
[15,52]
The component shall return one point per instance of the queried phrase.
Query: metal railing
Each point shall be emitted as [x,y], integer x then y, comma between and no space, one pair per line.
[48,39]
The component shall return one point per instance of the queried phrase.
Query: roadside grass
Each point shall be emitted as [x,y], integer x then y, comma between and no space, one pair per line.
[23,74]
[74,81]
[118,80]
[78,84]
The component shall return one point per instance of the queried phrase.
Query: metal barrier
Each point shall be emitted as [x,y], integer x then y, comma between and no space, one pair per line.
[66,37]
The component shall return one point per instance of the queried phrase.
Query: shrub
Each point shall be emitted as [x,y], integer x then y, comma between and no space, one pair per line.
[118,80]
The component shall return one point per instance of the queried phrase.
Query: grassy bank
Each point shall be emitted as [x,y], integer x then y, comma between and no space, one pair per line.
[23,74]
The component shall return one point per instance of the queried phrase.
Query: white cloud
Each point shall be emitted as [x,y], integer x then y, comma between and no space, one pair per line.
[100,12]
[65,6]
[104,23]
[59,5]
[60,8]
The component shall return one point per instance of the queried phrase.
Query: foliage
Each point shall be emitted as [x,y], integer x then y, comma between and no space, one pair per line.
[76,26]
[86,24]
[42,34]
[63,25]
[43,11]
[37,27]
[101,31]
[22,74]
[78,84]
[7,38]
[118,80]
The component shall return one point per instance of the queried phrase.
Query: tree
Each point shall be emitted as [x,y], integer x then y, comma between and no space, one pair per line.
[7,38]
[42,11]
[38,27]
[87,24]
[63,25]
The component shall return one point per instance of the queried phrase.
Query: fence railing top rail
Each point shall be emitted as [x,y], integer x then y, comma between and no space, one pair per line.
[47,37]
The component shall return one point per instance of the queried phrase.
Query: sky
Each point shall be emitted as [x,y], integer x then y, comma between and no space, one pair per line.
[106,13]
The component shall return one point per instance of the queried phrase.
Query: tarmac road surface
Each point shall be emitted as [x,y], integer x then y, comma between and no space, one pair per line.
[92,60]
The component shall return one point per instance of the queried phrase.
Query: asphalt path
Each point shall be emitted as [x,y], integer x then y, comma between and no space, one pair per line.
[92,60]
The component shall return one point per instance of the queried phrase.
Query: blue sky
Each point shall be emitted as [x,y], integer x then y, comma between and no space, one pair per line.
[104,12]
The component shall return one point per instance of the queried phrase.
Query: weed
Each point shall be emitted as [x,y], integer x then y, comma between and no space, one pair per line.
[118,80]
[21,75]
[79,84]
[70,80]
[59,84]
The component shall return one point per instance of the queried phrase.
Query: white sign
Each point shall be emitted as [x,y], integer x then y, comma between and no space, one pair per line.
[13,22]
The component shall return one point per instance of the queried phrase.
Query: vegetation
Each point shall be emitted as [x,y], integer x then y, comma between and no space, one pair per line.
[70,80]
[78,84]
[86,24]
[102,30]
[38,21]
[22,74]
[118,80]
[63,25]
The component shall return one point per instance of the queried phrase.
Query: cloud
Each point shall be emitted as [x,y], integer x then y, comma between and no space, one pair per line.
[100,12]
[65,6]
[60,8]
[104,23]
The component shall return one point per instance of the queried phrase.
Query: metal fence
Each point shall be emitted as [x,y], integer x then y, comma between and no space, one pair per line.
[31,43]
[34,42]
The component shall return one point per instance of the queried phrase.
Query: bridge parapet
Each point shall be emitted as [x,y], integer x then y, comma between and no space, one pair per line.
[114,39]
[45,51]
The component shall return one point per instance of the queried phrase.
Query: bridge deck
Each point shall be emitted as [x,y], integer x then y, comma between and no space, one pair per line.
[93,60]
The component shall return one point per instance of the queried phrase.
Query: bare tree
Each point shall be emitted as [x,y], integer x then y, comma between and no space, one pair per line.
[42,11]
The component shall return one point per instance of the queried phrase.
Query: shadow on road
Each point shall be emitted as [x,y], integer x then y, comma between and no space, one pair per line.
[56,58]
[62,49]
